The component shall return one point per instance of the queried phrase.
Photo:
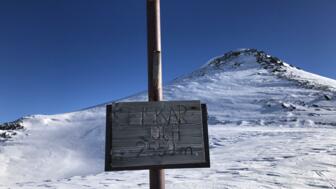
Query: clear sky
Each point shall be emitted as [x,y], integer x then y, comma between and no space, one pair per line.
[63,55]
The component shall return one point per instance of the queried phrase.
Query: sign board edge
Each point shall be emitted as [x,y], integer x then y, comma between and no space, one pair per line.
[205,164]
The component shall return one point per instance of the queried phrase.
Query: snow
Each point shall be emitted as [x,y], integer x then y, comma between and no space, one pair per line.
[267,129]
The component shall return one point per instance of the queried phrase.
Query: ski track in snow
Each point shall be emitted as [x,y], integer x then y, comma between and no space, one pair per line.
[266,131]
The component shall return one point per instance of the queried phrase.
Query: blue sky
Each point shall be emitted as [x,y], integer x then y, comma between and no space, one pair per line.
[63,55]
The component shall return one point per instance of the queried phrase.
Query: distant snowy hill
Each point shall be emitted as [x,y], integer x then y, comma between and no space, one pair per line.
[271,125]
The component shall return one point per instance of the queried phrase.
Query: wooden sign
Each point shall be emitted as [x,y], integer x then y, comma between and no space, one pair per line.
[165,134]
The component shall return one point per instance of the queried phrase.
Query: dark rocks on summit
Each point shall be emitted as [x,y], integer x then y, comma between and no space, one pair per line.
[15,125]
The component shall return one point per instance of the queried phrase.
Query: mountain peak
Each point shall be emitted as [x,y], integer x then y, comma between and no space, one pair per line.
[249,58]
[267,61]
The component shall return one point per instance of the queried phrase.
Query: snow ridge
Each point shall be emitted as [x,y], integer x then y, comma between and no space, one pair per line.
[234,59]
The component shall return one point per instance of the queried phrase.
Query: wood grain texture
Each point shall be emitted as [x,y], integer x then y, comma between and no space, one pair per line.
[108,143]
[160,134]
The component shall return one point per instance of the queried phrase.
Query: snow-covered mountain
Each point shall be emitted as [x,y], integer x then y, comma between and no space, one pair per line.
[271,125]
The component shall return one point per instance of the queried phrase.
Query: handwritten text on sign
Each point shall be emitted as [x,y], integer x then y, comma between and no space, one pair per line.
[156,134]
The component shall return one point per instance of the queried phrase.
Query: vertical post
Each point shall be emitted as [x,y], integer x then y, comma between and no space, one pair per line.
[156,176]
[154,50]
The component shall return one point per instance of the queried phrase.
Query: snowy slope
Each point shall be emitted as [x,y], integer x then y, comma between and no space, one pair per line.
[271,126]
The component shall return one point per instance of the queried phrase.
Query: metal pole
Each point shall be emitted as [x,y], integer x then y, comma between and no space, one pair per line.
[156,176]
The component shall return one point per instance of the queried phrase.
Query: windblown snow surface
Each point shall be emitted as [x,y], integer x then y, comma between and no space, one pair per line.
[271,125]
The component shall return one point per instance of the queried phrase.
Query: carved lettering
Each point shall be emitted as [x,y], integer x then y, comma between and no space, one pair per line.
[163,132]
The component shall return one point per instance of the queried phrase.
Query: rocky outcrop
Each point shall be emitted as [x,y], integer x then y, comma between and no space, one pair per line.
[7,130]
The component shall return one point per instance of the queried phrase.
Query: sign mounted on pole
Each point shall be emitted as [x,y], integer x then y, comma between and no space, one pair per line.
[164,134]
